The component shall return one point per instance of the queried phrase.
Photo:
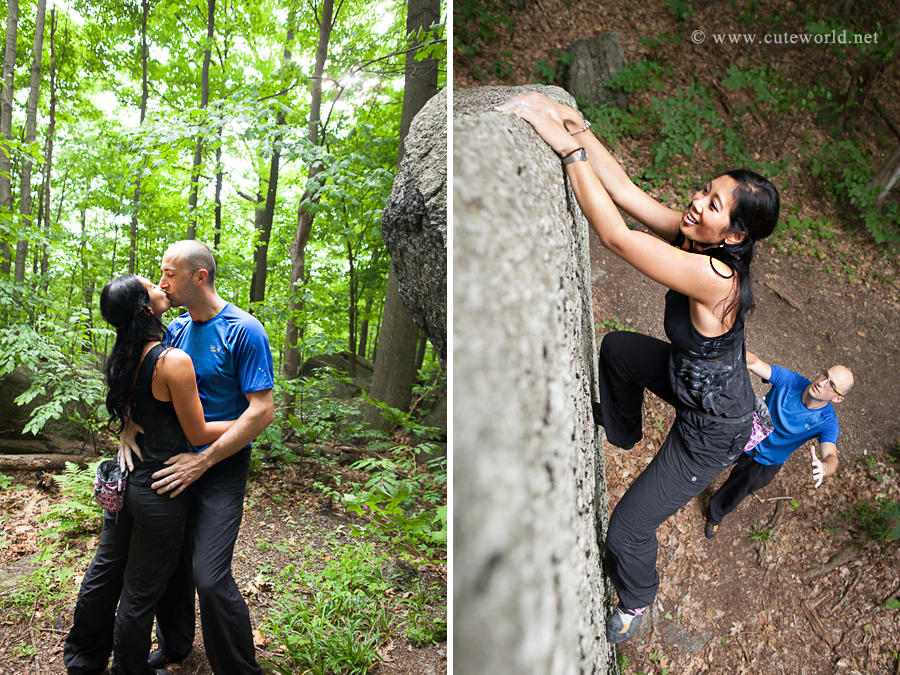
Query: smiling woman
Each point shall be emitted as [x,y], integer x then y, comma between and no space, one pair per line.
[703,254]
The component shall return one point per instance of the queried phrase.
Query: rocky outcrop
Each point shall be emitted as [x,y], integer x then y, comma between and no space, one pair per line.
[414,223]
[593,62]
[529,495]
[14,418]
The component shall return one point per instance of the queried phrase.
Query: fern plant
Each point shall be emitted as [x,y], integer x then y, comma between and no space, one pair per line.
[77,512]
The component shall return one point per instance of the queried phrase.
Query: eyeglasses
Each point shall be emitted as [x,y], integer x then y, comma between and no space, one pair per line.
[830,383]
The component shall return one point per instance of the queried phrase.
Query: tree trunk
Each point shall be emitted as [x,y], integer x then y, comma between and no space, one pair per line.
[370,299]
[220,173]
[204,100]
[395,368]
[887,176]
[30,134]
[48,156]
[260,255]
[145,94]
[293,334]
[6,99]
[351,314]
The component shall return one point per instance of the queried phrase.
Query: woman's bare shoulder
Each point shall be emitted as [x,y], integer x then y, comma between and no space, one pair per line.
[173,360]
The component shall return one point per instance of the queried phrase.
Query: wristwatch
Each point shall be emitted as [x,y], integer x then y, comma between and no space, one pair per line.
[577,155]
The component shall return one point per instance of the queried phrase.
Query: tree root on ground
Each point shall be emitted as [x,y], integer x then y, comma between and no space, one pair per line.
[842,557]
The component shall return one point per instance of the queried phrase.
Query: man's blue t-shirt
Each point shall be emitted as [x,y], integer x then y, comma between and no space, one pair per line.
[231,358]
[794,422]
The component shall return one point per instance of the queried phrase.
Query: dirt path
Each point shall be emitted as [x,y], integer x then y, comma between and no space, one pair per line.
[723,607]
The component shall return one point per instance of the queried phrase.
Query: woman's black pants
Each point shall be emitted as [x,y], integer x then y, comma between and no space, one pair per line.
[696,450]
[134,560]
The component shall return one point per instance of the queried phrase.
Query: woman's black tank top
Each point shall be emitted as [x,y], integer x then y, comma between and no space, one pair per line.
[707,373]
[163,437]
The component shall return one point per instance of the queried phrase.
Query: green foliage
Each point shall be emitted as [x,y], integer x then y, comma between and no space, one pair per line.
[844,169]
[400,502]
[640,75]
[686,119]
[332,620]
[614,324]
[480,23]
[6,482]
[317,417]
[423,627]
[879,520]
[50,580]
[77,512]
[62,370]
[756,534]
[551,74]
[681,10]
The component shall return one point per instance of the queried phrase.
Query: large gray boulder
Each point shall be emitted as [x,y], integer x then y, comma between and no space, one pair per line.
[14,418]
[529,495]
[414,223]
[593,62]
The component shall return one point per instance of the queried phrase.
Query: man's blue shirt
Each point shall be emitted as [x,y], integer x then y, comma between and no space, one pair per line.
[794,422]
[231,358]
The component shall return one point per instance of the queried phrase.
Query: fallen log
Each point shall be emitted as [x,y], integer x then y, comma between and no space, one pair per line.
[41,462]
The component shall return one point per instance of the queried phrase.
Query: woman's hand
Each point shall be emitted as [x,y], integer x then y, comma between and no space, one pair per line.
[568,116]
[537,111]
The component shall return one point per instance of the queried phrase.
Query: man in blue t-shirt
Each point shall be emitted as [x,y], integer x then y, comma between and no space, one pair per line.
[233,364]
[801,410]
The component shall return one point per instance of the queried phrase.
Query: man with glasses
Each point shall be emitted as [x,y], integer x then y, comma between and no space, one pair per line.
[801,410]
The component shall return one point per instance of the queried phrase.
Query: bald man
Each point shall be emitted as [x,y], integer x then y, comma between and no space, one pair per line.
[801,410]
[233,363]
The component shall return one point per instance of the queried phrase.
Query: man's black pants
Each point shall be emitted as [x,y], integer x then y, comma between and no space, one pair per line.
[212,529]
[135,558]
[746,477]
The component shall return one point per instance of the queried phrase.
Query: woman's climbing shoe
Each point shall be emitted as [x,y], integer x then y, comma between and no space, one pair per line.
[622,623]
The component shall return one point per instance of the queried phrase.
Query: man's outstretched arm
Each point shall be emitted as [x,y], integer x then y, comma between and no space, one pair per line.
[827,465]
[187,467]
[758,367]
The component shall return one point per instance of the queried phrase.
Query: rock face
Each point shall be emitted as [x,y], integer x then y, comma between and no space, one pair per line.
[414,223]
[593,63]
[529,502]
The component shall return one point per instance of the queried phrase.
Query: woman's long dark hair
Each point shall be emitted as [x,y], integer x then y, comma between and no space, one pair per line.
[125,305]
[755,211]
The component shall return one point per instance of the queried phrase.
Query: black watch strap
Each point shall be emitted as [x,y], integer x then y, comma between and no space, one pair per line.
[577,155]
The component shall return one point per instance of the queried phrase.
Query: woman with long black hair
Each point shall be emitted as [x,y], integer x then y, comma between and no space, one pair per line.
[154,386]
[703,255]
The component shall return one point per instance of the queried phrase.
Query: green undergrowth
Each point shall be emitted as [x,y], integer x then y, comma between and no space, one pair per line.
[334,618]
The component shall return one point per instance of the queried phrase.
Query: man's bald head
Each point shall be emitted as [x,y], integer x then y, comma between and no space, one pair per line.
[196,256]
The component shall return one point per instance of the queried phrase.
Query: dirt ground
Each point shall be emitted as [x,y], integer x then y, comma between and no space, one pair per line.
[732,604]
[283,514]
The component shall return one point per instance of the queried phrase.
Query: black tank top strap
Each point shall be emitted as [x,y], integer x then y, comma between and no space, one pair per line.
[730,276]
[149,364]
